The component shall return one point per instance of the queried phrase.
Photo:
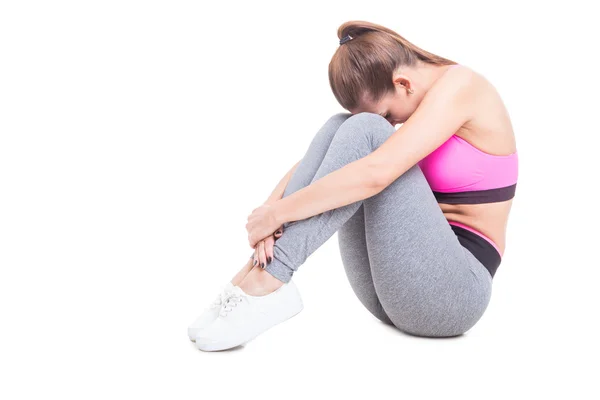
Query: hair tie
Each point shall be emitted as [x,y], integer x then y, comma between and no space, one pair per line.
[345,39]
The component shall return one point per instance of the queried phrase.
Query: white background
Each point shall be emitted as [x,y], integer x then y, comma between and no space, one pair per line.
[137,136]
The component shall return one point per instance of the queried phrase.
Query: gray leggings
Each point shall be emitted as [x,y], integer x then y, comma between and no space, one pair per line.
[401,256]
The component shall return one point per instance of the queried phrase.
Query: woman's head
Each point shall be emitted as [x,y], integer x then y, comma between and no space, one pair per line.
[367,73]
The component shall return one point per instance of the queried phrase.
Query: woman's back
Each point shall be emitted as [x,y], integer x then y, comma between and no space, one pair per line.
[485,150]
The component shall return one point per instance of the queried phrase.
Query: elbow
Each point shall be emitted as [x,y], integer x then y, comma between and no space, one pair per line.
[381,183]
[379,178]
[381,172]
[384,174]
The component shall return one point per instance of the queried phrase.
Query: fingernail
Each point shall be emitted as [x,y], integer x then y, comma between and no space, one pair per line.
[269,259]
[262,264]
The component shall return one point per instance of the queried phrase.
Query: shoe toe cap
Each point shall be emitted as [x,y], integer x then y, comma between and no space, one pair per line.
[200,324]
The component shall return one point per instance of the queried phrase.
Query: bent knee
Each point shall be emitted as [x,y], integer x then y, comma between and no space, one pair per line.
[340,117]
[374,127]
[370,119]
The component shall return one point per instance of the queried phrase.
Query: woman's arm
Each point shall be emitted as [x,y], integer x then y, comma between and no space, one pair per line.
[444,109]
[277,193]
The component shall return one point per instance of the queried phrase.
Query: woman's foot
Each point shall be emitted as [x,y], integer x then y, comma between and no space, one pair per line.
[258,282]
[244,316]
[211,312]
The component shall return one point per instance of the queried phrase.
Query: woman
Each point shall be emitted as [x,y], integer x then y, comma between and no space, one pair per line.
[421,211]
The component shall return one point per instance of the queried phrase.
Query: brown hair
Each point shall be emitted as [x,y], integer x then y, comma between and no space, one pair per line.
[364,66]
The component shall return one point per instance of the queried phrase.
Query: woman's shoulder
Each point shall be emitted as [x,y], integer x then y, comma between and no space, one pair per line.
[479,84]
[491,127]
[458,80]
[479,89]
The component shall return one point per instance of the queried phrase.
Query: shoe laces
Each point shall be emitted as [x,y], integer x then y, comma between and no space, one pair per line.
[230,303]
[220,299]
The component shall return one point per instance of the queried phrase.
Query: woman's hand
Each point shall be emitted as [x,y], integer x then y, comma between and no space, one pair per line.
[263,253]
[261,223]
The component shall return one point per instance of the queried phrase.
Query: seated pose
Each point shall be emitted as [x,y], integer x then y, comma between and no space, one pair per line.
[421,211]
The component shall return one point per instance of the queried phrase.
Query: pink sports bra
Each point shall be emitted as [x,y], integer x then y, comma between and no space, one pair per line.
[460,173]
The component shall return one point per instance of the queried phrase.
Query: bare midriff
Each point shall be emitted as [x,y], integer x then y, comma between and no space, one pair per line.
[489,219]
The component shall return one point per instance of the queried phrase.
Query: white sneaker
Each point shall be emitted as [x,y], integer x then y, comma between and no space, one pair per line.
[210,313]
[243,317]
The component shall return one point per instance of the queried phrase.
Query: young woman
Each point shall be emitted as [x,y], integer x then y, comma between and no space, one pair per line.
[421,211]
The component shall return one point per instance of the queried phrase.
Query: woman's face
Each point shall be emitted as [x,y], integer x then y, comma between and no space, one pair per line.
[396,107]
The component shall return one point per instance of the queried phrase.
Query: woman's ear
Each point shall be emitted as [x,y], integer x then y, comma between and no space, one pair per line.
[401,81]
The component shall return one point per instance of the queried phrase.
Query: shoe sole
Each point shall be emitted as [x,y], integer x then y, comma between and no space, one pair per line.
[228,345]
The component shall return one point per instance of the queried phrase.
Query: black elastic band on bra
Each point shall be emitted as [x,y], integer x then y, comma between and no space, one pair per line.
[479,247]
[477,196]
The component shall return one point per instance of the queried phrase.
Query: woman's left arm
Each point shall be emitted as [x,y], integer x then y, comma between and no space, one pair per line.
[446,107]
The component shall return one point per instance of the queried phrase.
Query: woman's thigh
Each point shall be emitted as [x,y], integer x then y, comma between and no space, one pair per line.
[355,258]
[427,282]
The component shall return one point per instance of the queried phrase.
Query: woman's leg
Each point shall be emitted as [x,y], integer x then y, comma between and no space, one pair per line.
[303,176]
[353,247]
[352,241]
[427,283]
[313,158]
[241,274]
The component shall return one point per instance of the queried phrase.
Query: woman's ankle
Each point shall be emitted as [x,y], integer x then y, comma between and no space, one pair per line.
[259,282]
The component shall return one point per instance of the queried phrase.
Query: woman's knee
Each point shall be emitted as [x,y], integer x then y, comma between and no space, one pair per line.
[334,122]
[329,129]
[374,127]
[339,118]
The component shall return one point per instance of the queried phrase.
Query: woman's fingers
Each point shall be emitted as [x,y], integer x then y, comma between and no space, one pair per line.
[255,257]
[256,262]
[263,251]
[262,259]
[269,248]
[259,257]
